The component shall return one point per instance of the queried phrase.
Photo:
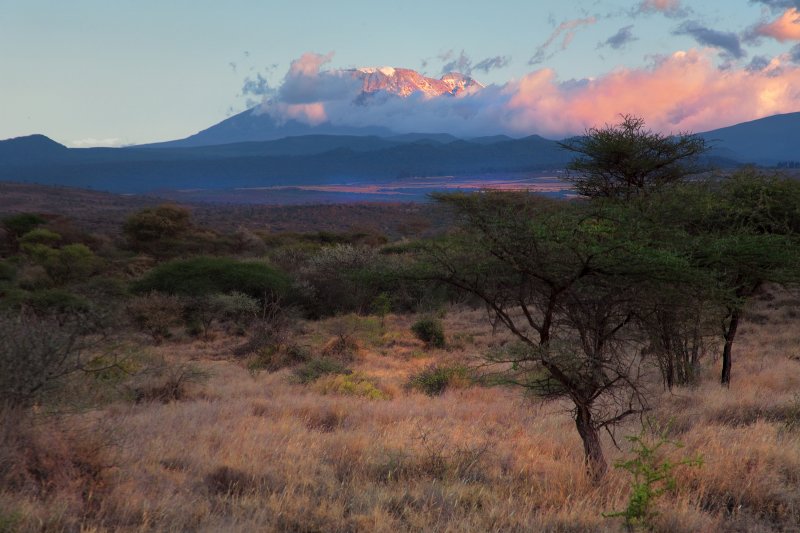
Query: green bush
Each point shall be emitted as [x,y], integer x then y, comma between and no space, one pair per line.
[430,331]
[315,368]
[274,357]
[40,236]
[154,313]
[156,223]
[435,379]
[204,276]
[350,384]
[54,302]
[7,271]
[651,477]
[19,225]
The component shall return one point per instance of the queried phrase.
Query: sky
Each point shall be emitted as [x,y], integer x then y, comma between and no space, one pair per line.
[120,72]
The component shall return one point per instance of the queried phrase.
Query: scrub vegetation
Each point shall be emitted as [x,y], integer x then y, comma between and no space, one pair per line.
[625,360]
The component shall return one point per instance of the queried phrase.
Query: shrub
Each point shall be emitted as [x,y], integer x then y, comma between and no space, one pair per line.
[166,382]
[154,313]
[204,276]
[274,357]
[315,368]
[68,263]
[156,223]
[236,308]
[36,353]
[40,236]
[352,384]
[54,302]
[19,225]
[651,477]
[435,379]
[430,331]
[7,271]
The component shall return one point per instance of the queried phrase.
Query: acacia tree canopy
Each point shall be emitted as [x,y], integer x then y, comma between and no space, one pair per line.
[624,160]
[569,281]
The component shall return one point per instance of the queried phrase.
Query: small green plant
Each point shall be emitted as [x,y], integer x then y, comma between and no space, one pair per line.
[314,369]
[351,384]
[275,357]
[430,331]
[382,306]
[652,476]
[435,379]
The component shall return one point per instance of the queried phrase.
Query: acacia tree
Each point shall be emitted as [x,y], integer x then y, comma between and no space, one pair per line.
[743,230]
[569,283]
[625,160]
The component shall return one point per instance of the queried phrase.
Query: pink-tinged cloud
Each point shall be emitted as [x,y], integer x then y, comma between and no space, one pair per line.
[784,28]
[681,92]
[309,64]
[660,5]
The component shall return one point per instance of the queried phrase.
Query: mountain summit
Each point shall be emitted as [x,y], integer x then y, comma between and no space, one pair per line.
[404,82]
[383,83]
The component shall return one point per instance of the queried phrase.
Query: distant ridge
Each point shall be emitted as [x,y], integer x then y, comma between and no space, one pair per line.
[764,141]
[319,159]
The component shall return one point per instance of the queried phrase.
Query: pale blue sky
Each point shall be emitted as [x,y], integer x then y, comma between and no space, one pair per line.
[141,71]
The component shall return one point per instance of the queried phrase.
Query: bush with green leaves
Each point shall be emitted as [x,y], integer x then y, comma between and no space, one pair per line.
[429,330]
[236,309]
[156,223]
[205,276]
[19,225]
[155,313]
[350,384]
[71,262]
[39,236]
[435,379]
[7,271]
[315,368]
[651,477]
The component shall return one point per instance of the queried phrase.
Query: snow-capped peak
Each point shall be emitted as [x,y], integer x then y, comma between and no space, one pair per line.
[404,82]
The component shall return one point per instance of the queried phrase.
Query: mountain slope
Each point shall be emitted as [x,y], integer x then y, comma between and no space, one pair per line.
[765,141]
[256,124]
[290,161]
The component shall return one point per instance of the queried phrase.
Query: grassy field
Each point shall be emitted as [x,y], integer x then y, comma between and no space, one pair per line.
[240,448]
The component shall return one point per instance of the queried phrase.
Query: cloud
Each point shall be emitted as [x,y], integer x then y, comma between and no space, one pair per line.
[92,142]
[784,28]
[668,8]
[683,91]
[619,39]
[463,63]
[728,42]
[758,63]
[794,54]
[568,29]
[778,5]
[492,63]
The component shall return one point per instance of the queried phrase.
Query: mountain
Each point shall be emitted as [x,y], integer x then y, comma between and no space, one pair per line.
[404,82]
[291,161]
[327,159]
[22,150]
[368,83]
[765,141]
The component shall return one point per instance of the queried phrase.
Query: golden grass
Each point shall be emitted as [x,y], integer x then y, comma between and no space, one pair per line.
[264,453]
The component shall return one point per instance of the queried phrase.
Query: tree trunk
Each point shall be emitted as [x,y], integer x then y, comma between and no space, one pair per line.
[592,448]
[730,334]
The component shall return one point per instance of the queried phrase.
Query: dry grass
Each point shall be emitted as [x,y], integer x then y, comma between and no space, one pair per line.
[261,452]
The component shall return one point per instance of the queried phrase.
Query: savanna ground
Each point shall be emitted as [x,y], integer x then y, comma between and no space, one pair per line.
[240,448]
[329,428]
